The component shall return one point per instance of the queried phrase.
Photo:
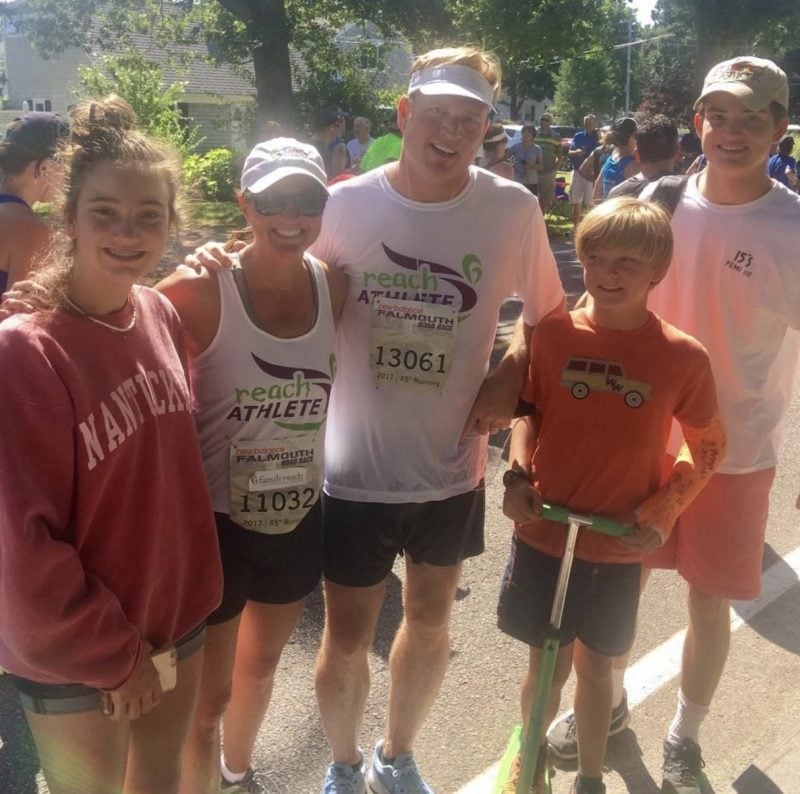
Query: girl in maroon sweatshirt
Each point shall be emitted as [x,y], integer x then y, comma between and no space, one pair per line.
[108,550]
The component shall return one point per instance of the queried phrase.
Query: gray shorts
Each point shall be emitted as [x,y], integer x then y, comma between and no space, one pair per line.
[600,610]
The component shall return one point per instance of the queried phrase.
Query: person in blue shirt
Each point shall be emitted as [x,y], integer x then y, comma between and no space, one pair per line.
[782,166]
[583,144]
[621,165]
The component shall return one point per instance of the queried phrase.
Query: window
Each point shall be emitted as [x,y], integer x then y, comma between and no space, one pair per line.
[616,369]
[597,367]
[576,365]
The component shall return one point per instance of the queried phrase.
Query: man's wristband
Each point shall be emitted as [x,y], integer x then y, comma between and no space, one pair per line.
[512,475]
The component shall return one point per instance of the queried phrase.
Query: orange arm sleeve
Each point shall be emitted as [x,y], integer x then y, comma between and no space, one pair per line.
[701,453]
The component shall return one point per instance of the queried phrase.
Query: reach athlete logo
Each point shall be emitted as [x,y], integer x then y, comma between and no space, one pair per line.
[296,398]
[422,280]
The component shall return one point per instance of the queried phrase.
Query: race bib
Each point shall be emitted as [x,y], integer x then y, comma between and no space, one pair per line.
[412,343]
[273,483]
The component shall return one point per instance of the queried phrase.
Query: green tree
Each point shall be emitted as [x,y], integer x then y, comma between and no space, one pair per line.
[531,38]
[668,73]
[140,81]
[715,30]
[704,32]
[595,80]
[256,36]
[593,83]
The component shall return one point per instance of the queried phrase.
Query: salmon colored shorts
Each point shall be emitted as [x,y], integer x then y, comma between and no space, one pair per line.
[717,544]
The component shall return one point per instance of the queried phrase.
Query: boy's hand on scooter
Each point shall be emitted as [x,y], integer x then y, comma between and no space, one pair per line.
[643,539]
[521,501]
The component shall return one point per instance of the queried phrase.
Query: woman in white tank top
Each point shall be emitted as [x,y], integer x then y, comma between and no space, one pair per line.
[260,339]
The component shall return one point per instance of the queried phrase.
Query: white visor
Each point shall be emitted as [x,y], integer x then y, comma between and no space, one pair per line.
[501,136]
[452,80]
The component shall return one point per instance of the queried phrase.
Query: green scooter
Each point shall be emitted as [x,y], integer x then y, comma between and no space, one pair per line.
[530,747]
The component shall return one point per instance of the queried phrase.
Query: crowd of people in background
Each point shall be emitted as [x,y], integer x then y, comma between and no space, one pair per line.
[272,416]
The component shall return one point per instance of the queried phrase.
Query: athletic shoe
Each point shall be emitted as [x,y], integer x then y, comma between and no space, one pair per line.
[399,777]
[585,785]
[563,735]
[345,778]
[683,768]
[541,777]
[252,783]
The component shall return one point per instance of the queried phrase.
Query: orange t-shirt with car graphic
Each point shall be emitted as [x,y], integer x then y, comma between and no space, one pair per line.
[606,400]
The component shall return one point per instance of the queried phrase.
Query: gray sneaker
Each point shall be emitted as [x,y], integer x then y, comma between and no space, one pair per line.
[683,768]
[252,783]
[399,777]
[563,735]
[345,778]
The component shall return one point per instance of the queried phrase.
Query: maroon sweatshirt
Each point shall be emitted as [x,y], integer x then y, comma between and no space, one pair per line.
[107,536]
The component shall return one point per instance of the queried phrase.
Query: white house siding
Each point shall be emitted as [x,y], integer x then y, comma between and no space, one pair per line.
[214,121]
[32,77]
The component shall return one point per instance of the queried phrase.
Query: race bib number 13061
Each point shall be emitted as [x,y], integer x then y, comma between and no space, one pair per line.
[411,343]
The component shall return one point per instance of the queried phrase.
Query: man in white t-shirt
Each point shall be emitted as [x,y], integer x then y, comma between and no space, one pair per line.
[361,140]
[734,284]
[432,246]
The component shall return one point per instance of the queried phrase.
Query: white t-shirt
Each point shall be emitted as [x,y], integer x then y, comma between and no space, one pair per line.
[357,149]
[392,435]
[734,284]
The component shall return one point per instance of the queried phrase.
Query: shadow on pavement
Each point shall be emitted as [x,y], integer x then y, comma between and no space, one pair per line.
[754,781]
[624,756]
[769,622]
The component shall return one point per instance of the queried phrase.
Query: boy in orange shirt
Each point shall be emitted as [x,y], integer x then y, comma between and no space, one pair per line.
[607,381]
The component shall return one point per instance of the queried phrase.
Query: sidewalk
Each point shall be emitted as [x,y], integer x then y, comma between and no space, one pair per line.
[777,773]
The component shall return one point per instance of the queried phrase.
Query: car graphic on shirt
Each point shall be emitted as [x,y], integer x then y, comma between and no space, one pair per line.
[584,375]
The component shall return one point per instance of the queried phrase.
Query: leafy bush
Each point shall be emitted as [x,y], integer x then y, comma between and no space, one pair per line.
[211,175]
[140,82]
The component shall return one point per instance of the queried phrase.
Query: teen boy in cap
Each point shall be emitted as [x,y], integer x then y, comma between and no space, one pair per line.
[432,245]
[733,285]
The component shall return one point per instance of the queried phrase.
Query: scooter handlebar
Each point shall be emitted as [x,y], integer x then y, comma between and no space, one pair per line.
[606,526]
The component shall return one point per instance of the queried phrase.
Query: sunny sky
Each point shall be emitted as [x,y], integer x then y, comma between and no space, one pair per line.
[643,10]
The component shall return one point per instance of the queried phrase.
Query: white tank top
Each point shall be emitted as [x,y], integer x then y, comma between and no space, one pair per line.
[260,404]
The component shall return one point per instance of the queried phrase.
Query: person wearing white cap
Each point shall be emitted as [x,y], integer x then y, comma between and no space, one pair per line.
[432,245]
[734,285]
[494,152]
[260,341]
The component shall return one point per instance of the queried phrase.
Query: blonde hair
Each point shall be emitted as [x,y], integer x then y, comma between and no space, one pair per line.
[102,131]
[630,226]
[485,63]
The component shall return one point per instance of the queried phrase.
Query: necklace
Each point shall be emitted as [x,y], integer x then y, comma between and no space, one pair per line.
[117,329]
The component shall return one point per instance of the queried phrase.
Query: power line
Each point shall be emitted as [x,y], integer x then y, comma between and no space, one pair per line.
[613,47]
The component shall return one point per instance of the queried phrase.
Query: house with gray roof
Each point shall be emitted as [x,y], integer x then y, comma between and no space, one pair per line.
[214,94]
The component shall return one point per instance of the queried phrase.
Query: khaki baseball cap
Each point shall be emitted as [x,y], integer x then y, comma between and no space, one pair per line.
[755,82]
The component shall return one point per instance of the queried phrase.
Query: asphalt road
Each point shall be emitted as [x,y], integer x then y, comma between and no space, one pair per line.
[471,721]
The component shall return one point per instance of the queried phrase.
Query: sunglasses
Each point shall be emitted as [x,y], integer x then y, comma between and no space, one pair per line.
[272,202]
